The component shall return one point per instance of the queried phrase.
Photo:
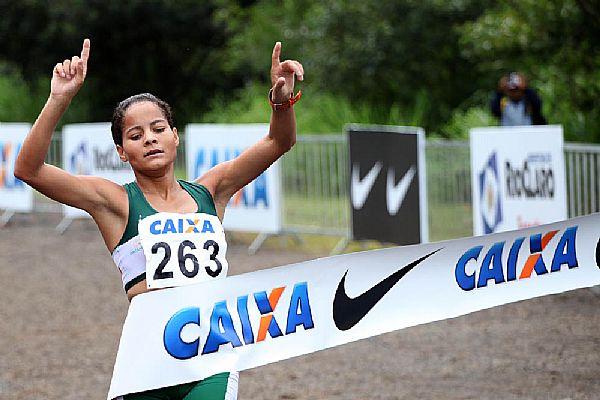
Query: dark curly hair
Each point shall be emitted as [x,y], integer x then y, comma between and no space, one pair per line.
[119,113]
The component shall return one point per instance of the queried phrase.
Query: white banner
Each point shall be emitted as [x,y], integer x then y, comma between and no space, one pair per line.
[88,149]
[258,205]
[15,195]
[517,177]
[187,333]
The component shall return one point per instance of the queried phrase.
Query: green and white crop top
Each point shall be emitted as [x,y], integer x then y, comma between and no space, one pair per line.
[128,255]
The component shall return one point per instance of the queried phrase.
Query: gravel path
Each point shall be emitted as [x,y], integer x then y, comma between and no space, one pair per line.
[62,308]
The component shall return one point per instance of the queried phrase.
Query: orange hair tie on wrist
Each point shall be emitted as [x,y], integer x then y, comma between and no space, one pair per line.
[286,104]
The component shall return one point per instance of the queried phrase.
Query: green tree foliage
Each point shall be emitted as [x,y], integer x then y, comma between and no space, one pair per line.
[16,102]
[432,63]
[171,49]
[322,113]
[21,101]
[386,54]
[554,42]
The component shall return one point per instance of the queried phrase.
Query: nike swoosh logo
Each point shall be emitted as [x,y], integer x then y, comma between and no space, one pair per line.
[395,193]
[347,311]
[360,188]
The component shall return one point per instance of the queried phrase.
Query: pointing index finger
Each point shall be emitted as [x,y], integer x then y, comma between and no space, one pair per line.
[276,53]
[85,54]
[85,50]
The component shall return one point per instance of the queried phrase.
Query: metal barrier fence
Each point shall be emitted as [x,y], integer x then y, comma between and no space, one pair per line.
[582,168]
[448,169]
[315,184]
[54,155]
[315,178]
[315,187]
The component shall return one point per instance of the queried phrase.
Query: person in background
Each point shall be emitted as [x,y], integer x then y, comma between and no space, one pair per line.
[514,103]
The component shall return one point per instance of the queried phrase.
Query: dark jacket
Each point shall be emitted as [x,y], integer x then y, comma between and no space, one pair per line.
[533,106]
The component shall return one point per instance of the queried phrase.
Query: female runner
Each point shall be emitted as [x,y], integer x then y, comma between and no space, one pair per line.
[143,131]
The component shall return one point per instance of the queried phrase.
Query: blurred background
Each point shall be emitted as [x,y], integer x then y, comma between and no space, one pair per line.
[431,63]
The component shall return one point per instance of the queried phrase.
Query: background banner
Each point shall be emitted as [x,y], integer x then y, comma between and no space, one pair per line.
[187,333]
[387,183]
[88,149]
[15,195]
[517,177]
[255,208]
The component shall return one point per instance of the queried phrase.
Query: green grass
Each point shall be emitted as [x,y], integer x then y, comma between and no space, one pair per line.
[324,212]
[446,221]
[321,112]
[449,221]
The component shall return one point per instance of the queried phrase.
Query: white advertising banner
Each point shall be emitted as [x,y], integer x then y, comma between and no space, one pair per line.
[255,208]
[184,334]
[15,195]
[88,149]
[517,177]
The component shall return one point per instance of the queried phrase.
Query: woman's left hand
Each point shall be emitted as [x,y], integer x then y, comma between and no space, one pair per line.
[282,76]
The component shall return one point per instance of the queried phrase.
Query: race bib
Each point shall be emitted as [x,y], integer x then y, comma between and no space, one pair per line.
[182,249]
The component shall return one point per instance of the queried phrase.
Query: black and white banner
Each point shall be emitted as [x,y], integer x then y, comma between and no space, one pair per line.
[387,183]
[184,334]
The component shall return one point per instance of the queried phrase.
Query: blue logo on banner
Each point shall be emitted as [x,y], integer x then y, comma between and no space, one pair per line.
[223,331]
[79,160]
[489,195]
[208,158]
[8,155]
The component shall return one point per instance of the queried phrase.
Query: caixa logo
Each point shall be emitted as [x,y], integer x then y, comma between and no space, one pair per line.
[8,155]
[253,195]
[222,330]
[491,268]
[181,225]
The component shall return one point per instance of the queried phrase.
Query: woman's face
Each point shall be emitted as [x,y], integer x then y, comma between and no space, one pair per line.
[149,144]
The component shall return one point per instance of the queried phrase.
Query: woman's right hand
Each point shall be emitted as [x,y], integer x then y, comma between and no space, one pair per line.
[68,76]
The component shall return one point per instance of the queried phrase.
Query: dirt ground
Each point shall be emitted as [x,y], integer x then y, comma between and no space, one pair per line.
[62,308]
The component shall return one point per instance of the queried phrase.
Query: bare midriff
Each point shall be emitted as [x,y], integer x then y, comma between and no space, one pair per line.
[138,288]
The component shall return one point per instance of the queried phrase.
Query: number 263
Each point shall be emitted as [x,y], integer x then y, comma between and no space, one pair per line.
[182,258]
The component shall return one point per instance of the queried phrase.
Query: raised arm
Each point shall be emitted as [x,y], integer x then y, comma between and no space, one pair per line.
[85,192]
[227,178]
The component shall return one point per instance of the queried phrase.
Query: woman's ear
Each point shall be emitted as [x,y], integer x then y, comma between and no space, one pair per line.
[122,154]
[176,136]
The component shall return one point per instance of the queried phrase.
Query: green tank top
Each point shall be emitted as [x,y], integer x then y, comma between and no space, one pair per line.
[140,208]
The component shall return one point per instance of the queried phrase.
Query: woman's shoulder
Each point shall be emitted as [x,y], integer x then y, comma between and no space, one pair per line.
[113,195]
